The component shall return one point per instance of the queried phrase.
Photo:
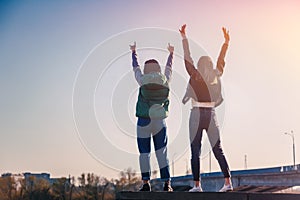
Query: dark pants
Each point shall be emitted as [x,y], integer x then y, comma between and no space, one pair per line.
[155,128]
[205,119]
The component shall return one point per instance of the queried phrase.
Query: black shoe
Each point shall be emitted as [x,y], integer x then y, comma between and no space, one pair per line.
[146,188]
[167,187]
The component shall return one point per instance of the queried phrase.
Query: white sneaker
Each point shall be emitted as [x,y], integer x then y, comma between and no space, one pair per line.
[196,189]
[226,188]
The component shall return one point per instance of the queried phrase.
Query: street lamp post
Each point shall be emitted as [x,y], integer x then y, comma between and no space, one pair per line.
[209,155]
[187,166]
[293,138]
[173,166]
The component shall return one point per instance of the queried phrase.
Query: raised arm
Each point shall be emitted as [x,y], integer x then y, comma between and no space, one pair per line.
[168,69]
[188,61]
[136,67]
[221,58]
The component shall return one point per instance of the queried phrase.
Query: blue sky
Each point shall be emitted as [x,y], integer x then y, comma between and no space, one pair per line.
[43,44]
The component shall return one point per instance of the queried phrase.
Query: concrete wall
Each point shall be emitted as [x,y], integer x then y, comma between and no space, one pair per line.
[214,183]
[291,178]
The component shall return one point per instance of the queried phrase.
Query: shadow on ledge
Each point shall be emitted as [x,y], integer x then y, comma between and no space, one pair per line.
[205,196]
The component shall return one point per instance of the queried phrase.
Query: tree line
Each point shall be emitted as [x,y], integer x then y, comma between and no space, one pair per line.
[89,187]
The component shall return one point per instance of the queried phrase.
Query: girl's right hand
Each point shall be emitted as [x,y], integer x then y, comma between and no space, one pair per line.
[182,30]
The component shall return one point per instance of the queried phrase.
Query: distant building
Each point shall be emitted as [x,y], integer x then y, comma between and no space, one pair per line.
[43,176]
[17,178]
[28,177]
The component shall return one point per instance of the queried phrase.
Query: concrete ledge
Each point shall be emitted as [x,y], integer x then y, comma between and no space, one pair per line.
[204,196]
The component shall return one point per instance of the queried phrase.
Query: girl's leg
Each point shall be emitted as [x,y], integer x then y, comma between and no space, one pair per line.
[195,138]
[143,140]
[160,144]
[213,133]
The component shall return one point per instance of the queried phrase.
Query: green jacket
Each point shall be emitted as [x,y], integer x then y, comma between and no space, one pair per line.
[153,99]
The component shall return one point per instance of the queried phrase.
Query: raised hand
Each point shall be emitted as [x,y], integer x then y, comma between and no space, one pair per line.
[133,47]
[182,30]
[226,35]
[170,48]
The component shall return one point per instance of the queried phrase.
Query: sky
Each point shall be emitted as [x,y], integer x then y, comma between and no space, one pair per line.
[68,92]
